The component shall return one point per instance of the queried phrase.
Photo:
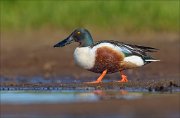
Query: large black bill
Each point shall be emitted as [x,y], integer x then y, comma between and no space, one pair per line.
[64,42]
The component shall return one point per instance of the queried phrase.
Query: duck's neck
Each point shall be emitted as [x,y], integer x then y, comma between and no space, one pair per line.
[87,41]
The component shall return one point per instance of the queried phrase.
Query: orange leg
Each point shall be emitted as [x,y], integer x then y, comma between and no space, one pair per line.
[99,78]
[123,77]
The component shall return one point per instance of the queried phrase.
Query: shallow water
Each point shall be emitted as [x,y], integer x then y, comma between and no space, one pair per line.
[29,97]
[108,103]
[40,90]
[65,96]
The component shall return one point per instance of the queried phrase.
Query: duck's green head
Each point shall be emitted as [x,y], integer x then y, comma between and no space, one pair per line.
[80,35]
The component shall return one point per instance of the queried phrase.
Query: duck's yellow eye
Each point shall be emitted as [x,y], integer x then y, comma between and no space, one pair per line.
[78,32]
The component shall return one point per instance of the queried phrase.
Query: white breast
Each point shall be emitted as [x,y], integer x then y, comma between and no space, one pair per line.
[84,57]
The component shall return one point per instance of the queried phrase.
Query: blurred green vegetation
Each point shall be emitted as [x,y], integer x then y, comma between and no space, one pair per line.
[125,15]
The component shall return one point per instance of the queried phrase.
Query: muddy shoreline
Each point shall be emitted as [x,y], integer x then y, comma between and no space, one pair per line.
[149,86]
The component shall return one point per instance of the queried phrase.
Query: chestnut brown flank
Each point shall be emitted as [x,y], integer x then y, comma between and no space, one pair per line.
[109,59]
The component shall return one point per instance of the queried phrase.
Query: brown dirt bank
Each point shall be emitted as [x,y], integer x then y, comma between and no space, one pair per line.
[31,53]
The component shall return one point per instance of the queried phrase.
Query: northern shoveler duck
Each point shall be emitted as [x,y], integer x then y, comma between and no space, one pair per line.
[106,56]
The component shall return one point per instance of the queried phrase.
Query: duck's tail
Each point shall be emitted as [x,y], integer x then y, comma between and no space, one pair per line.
[151,60]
